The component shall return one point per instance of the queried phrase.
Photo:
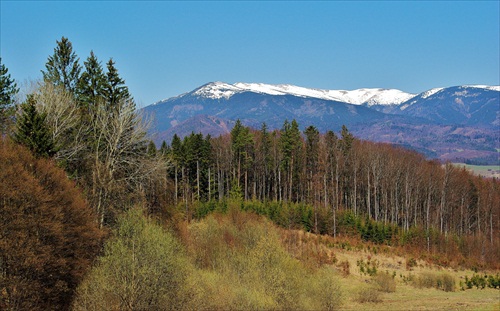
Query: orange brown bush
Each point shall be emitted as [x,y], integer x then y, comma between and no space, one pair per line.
[48,234]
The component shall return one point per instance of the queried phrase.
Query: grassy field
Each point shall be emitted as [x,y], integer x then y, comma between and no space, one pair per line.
[407,296]
[482,170]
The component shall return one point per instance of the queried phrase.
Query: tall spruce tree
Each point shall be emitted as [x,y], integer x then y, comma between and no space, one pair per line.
[8,89]
[164,149]
[312,150]
[63,68]
[151,149]
[242,146]
[116,91]
[32,130]
[92,85]
[347,140]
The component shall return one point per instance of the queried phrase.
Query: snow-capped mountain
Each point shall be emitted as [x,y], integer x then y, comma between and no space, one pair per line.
[368,97]
[451,123]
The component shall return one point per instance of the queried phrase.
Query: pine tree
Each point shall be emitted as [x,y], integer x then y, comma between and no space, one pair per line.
[63,68]
[177,151]
[347,139]
[264,155]
[312,162]
[291,144]
[8,89]
[92,85]
[164,149]
[151,149]
[312,147]
[242,146]
[116,91]
[32,130]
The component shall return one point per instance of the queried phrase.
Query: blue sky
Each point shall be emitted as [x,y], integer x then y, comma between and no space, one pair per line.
[165,48]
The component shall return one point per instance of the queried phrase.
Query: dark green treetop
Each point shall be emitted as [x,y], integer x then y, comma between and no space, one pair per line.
[32,130]
[63,68]
[92,84]
[8,89]
[347,140]
[116,91]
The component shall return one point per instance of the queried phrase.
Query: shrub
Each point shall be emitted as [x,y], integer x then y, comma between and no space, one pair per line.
[411,263]
[324,290]
[368,294]
[246,267]
[143,268]
[48,234]
[447,283]
[385,282]
[443,281]
[482,282]
[345,268]
[426,280]
[368,268]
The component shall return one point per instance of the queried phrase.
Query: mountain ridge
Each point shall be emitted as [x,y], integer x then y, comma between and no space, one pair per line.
[452,123]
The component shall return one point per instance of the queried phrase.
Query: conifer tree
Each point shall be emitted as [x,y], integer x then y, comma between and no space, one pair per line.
[164,149]
[151,149]
[116,91]
[63,68]
[265,159]
[8,89]
[177,150]
[32,130]
[347,139]
[92,85]
[291,143]
[312,150]
[242,145]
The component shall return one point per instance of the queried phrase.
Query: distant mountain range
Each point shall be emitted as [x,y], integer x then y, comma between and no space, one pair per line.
[460,123]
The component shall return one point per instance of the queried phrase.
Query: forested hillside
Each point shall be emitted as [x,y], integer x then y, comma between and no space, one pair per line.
[95,216]
[328,182]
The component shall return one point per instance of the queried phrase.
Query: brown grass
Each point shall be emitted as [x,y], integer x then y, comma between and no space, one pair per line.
[401,294]
[368,294]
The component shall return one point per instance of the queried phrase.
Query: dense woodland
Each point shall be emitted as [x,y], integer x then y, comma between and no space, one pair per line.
[76,159]
[335,180]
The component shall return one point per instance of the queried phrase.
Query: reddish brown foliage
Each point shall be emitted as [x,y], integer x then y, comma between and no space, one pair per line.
[48,235]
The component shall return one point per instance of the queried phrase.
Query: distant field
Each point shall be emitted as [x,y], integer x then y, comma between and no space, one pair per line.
[482,170]
[406,295]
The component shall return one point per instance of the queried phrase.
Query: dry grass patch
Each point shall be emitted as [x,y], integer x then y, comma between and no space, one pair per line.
[385,282]
[368,294]
[443,281]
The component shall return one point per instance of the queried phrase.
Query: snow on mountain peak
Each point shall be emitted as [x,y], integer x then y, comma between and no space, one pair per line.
[218,90]
[364,96]
[431,92]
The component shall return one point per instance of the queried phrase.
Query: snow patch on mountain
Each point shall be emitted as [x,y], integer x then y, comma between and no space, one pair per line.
[487,87]
[431,92]
[217,90]
[375,96]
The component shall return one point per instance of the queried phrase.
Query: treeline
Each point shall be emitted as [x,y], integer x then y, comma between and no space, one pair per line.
[335,174]
[85,119]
